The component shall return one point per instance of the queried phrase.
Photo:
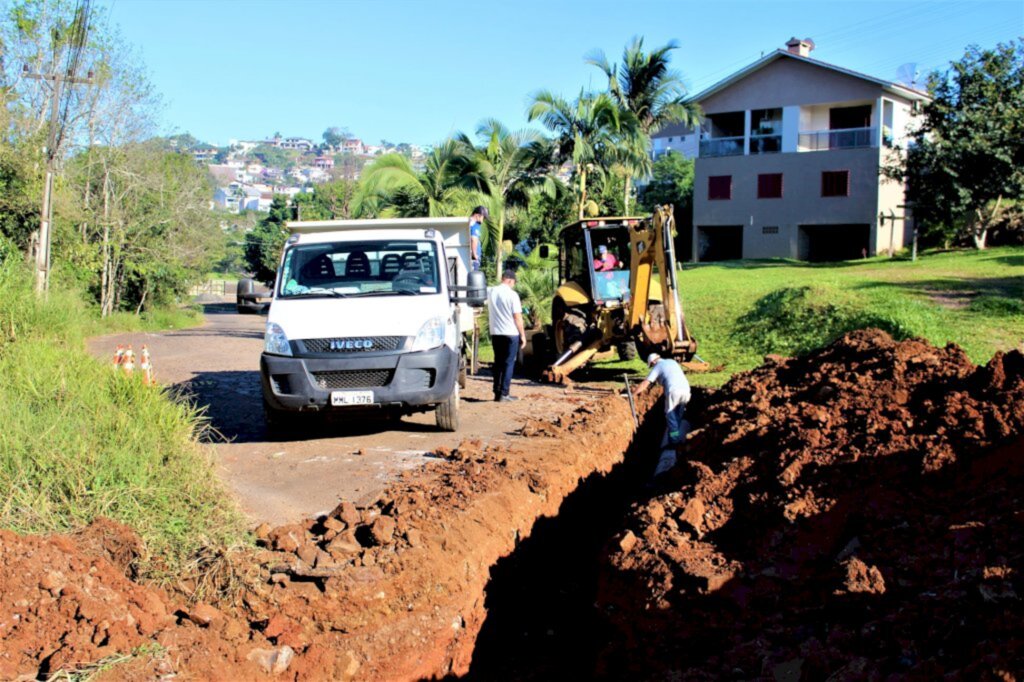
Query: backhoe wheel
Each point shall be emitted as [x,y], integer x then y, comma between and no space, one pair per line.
[569,324]
[627,350]
[447,413]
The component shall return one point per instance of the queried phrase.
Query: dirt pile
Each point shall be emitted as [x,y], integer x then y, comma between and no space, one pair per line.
[392,590]
[62,607]
[854,513]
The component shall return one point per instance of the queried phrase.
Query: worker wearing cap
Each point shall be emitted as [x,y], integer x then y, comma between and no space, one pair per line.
[479,215]
[676,390]
[605,260]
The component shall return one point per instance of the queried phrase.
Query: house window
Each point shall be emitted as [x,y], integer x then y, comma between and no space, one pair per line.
[770,229]
[720,187]
[835,183]
[769,186]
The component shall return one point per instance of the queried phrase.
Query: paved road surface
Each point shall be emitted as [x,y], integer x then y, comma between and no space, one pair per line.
[279,481]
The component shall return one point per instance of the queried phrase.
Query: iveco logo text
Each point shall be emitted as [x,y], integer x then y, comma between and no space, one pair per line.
[351,344]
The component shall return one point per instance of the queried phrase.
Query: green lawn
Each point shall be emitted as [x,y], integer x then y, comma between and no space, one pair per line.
[741,310]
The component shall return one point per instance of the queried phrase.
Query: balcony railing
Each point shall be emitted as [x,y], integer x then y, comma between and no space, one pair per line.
[765,144]
[721,146]
[847,138]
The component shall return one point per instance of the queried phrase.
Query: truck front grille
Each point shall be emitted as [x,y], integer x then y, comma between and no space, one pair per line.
[355,344]
[354,378]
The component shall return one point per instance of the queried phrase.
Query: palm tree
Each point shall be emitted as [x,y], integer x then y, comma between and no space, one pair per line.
[450,179]
[649,93]
[515,164]
[581,128]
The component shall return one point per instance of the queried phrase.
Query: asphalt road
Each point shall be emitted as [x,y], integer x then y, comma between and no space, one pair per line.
[282,481]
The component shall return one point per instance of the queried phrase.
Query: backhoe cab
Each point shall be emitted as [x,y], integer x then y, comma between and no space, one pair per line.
[608,295]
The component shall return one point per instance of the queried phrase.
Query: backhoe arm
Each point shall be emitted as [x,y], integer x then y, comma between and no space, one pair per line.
[658,326]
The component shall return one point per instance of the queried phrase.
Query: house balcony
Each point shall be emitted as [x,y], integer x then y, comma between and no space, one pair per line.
[844,138]
[765,144]
[721,146]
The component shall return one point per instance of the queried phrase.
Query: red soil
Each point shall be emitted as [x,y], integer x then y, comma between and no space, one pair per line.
[391,591]
[853,514]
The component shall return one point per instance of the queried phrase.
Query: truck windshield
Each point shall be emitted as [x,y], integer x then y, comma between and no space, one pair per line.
[365,268]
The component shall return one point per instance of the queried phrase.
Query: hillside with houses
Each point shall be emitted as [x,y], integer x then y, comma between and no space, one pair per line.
[247,174]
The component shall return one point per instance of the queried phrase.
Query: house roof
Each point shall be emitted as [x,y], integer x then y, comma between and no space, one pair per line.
[675,129]
[889,86]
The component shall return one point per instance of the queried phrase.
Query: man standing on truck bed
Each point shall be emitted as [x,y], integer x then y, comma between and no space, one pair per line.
[505,313]
[479,215]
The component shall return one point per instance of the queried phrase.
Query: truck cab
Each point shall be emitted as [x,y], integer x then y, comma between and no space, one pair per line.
[370,315]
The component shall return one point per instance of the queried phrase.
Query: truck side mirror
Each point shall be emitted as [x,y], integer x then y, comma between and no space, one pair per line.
[476,288]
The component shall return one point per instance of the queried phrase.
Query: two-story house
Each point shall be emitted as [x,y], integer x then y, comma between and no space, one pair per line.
[789,160]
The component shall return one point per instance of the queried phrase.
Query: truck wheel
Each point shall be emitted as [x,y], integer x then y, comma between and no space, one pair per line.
[627,350]
[447,413]
[280,424]
[244,288]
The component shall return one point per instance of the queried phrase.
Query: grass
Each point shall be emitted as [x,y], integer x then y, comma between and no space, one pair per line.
[740,311]
[79,440]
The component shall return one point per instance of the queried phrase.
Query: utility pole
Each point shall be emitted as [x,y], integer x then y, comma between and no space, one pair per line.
[892,218]
[42,246]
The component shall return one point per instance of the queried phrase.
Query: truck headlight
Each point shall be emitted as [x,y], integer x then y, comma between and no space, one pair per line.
[275,342]
[431,334]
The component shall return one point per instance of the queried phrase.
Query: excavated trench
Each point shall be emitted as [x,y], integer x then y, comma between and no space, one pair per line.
[542,618]
[852,514]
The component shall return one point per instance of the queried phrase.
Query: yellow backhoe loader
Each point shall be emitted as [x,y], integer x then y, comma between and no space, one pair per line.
[608,296]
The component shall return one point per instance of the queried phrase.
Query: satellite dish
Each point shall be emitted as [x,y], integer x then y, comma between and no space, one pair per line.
[908,74]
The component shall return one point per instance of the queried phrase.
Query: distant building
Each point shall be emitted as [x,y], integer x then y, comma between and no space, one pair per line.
[223,174]
[324,162]
[243,147]
[227,198]
[298,143]
[204,155]
[353,145]
[788,161]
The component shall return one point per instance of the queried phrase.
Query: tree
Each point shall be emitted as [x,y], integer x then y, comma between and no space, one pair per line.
[328,201]
[671,183]
[514,165]
[650,96]
[334,136]
[966,164]
[581,128]
[264,243]
[450,182]
[272,157]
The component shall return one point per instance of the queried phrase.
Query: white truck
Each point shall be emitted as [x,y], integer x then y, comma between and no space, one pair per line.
[370,315]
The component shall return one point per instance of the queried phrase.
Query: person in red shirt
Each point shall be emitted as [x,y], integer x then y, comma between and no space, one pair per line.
[605,260]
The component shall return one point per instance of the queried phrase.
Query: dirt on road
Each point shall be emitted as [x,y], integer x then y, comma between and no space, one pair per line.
[280,481]
[852,514]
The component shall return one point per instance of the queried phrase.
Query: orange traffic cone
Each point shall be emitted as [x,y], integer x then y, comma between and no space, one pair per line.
[147,367]
[129,360]
[118,356]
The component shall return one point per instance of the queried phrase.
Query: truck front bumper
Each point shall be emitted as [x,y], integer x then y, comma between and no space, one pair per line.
[404,381]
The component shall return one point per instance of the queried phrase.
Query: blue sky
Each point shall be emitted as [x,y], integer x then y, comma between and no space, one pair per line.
[417,71]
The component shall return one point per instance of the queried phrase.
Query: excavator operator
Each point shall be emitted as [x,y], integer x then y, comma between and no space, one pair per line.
[605,260]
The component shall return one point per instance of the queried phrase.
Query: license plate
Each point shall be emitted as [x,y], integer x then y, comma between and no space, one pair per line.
[340,398]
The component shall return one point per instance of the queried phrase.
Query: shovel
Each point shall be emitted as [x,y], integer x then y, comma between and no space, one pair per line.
[629,395]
